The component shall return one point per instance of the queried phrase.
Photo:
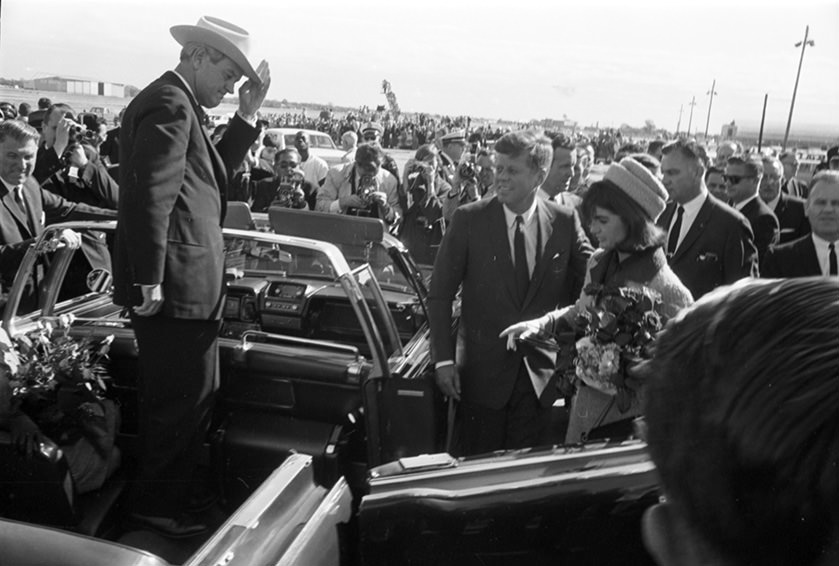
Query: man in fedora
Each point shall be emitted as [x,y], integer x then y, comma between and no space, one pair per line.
[173,184]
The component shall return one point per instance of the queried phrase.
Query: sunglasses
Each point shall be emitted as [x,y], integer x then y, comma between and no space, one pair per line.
[735,179]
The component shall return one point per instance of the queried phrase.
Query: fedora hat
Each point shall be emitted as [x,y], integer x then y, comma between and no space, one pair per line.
[229,39]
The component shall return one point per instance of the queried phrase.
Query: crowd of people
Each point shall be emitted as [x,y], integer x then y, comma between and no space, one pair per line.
[518,224]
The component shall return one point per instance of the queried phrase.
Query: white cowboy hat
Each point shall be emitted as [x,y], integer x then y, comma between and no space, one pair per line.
[229,39]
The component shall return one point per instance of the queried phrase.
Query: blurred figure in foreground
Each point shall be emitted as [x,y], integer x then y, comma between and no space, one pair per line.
[743,431]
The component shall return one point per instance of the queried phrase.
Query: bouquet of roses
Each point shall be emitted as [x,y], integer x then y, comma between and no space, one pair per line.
[58,379]
[617,331]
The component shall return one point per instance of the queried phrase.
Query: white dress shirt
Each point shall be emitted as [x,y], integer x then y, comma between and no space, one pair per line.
[692,208]
[823,252]
[531,233]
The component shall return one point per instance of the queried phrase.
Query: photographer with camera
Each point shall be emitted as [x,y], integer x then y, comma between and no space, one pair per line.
[82,179]
[464,188]
[362,188]
[58,130]
[287,188]
[423,226]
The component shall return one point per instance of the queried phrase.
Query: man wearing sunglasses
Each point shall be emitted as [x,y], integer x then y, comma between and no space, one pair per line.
[742,180]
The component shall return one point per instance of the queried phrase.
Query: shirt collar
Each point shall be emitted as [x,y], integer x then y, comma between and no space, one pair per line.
[8,186]
[821,243]
[528,215]
[742,204]
[186,84]
[693,205]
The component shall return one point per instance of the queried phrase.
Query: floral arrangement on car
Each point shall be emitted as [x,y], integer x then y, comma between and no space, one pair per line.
[612,335]
[57,379]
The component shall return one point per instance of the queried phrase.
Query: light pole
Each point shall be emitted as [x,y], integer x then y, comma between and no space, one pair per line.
[690,119]
[679,123]
[803,45]
[712,92]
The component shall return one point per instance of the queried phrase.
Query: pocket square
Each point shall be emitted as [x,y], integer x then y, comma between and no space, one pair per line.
[707,257]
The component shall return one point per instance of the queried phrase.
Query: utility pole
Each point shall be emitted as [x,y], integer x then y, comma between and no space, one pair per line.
[712,92]
[690,119]
[803,45]
[679,123]
[762,121]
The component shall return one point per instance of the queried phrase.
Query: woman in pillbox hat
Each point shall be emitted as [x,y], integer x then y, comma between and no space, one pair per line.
[621,211]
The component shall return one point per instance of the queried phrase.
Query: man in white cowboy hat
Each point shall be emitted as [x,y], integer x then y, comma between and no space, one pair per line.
[173,185]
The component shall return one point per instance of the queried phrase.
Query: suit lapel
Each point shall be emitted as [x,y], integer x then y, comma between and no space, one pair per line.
[695,229]
[501,245]
[14,209]
[550,246]
[809,259]
[219,169]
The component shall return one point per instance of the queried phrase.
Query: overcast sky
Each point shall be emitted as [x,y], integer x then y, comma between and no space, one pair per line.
[594,61]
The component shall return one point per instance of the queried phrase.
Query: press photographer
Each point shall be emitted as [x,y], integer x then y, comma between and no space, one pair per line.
[287,187]
[81,179]
[464,189]
[423,226]
[59,129]
[362,188]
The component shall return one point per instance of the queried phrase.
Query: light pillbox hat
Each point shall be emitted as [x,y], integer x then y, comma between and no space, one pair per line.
[639,184]
[229,39]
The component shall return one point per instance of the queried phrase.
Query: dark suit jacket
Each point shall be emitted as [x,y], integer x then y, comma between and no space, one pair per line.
[47,162]
[795,188]
[173,185]
[794,259]
[475,252]
[717,250]
[792,218]
[18,232]
[764,225]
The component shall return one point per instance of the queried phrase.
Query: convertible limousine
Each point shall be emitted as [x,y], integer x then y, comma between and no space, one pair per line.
[327,443]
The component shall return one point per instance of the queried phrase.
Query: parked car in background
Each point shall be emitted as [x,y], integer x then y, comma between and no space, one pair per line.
[320,144]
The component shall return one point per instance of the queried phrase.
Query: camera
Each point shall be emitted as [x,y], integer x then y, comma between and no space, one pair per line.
[366,188]
[417,181]
[467,173]
[290,192]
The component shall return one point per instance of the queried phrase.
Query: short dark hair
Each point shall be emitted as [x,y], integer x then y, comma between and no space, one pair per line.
[534,143]
[711,170]
[24,108]
[368,153]
[741,412]
[425,151]
[753,164]
[18,130]
[654,146]
[63,107]
[628,149]
[688,149]
[641,231]
[44,103]
[652,164]
[560,140]
[287,149]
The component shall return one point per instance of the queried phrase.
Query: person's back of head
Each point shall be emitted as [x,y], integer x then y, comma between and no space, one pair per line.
[742,418]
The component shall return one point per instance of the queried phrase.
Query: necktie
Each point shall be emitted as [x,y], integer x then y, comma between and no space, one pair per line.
[831,257]
[521,270]
[673,240]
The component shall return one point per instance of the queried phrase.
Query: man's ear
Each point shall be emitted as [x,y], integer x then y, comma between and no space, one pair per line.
[541,176]
[660,533]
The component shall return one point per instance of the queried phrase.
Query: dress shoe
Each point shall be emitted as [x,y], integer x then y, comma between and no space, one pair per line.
[184,526]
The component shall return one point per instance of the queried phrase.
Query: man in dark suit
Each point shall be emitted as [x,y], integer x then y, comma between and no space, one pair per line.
[742,179]
[815,253]
[789,210]
[790,185]
[517,257]
[173,184]
[709,244]
[23,204]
